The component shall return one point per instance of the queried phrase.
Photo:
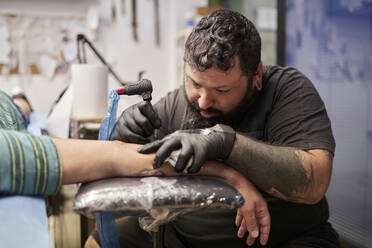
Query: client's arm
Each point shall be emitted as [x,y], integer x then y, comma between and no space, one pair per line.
[84,160]
[253,216]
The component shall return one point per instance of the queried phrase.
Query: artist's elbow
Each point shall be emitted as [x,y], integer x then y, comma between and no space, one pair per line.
[321,167]
[314,199]
[317,194]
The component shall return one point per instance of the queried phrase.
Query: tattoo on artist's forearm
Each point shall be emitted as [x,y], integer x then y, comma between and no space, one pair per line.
[280,171]
[285,164]
[150,172]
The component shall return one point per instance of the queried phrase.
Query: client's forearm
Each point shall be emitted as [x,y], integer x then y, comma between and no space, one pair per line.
[143,167]
[253,217]
[88,160]
[233,177]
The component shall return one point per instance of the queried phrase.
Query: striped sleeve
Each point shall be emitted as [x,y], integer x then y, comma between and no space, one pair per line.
[29,165]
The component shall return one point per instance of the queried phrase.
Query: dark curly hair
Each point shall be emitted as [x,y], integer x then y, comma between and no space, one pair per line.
[219,37]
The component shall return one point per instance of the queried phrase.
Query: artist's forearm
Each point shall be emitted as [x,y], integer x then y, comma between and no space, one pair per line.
[284,172]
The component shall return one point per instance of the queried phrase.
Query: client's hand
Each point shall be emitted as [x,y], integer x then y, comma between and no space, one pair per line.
[253,216]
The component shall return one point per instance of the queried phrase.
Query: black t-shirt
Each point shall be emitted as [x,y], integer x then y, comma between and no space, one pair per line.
[288,111]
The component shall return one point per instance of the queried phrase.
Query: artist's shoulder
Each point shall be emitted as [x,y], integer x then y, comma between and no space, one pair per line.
[174,96]
[282,76]
[171,110]
[276,71]
[177,92]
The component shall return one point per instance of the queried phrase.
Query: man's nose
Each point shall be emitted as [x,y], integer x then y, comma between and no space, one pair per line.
[205,99]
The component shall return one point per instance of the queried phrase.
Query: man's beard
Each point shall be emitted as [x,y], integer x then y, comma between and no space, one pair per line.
[195,120]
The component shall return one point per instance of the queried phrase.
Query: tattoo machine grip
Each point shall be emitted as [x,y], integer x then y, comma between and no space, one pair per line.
[143,88]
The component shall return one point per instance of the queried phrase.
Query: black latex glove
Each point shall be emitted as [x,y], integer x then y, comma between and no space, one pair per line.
[196,144]
[136,124]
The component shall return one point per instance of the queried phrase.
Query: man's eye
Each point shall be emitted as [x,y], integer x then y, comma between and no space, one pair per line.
[195,85]
[223,91]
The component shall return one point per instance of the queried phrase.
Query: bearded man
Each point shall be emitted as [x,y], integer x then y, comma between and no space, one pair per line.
[267,122]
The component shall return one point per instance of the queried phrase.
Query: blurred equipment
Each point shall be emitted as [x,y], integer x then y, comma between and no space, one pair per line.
[89,88]
[58,121]
[134,20]
[81,55]
[157,22]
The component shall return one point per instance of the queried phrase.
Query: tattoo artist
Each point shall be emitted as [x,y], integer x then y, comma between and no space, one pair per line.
[267,122]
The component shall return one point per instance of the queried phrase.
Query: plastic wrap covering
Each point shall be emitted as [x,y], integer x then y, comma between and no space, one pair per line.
[159,198]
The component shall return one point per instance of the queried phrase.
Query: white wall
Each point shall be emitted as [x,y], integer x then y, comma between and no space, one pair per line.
[129,57]
[41,92]
[115,42]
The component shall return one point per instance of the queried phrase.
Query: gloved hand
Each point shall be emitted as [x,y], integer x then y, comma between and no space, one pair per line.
[136,124]
[197,144]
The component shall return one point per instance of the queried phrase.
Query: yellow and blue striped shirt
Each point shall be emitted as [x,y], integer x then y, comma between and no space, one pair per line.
[29,164]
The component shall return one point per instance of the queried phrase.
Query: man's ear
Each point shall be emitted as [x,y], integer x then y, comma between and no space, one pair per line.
[257,77]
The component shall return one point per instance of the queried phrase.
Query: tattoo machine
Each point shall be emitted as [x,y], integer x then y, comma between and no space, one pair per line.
[143,88]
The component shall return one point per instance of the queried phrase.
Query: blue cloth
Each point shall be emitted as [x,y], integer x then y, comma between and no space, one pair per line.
[23,222]
[108,233]
[37,122]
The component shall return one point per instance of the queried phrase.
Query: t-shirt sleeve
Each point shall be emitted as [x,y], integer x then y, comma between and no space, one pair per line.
[29,165]
[299,117]
[162,110]
[171,110]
